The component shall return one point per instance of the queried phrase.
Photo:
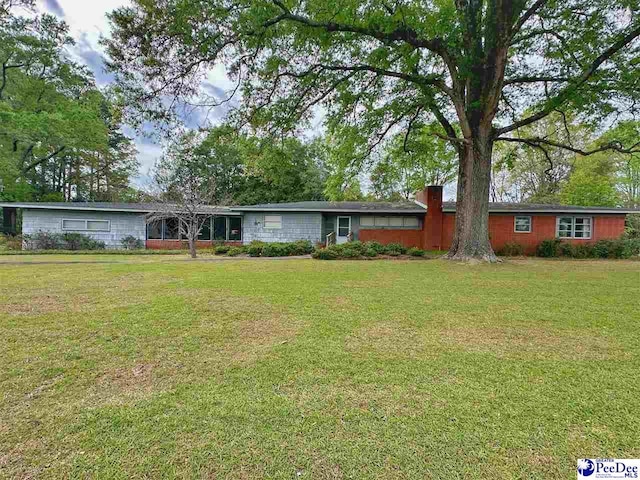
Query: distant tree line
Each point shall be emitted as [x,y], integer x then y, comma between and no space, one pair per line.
[60,136]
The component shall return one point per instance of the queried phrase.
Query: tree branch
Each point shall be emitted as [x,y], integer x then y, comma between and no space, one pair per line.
[538,142]
[563,95]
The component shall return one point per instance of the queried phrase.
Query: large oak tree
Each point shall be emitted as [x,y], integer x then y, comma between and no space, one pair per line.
[481,69]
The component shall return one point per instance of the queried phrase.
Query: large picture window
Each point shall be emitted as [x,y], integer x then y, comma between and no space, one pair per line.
[220,229]
[574,227]
[86,225]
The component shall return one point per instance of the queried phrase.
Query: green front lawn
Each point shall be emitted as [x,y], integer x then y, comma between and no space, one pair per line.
[159,367]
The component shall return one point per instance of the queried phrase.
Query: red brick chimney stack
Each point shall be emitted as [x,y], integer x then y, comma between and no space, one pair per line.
[432,198]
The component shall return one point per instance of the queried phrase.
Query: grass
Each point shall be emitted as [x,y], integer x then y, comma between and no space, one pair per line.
[125,367]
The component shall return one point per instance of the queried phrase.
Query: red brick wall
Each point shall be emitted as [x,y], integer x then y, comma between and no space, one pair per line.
[543,227]
[177,244]
[408,238]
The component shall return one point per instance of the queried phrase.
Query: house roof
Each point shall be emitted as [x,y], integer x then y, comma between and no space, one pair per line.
[503,207]
[336,207]
[105,207]
[317,206]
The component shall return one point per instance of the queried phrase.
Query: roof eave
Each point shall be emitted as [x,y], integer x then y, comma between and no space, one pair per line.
[327,210]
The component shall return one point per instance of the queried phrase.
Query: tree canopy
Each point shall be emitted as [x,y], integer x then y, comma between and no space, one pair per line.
[60,136]
[483,70]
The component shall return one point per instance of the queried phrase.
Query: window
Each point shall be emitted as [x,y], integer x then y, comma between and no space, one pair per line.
[154,230]
[235,228]
[205,231]
[390,221]
[574,227]
[273,221]
[522,225]
[171,229]
[412,222]
[219,228]
[366,222]
[90,225]
[395,221]
[98,225]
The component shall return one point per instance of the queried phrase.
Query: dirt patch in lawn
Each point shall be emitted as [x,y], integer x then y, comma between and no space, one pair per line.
[537,343]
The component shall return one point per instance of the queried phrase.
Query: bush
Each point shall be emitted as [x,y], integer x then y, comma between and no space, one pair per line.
[325,254]
[512,249]
[631,247]
[222,249]
[566,249]
[255,248]
[58,241]
[611,249]
[44,241]
[301,247]
[395,249]
[416,252]
[131,243]
[10,242]
[276,250]
[582,250]
[370,252]
[235,251]
[377,246]
[548,248]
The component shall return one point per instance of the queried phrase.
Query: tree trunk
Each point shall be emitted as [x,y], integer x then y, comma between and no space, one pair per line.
[192,247]
[471,236]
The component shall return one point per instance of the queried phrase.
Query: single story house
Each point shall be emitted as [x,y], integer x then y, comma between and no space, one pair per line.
[427,222]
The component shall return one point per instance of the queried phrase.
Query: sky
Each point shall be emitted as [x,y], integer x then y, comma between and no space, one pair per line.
[88,22]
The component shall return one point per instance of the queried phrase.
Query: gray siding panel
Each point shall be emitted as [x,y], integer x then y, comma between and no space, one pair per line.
[122,224]
[295,226]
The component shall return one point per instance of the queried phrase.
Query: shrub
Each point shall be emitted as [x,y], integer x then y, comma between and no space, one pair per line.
[632,227]
[377,246]
[255,248]
[583,250]
[10,242]
[301,247]
[222,249]
[275,250]
[44,241]
[631,247]
[566,249]
[370,252]
[235,251]
[548,248]
[325,254]
[512,249]
[395,249]
[416,252]
[131,243]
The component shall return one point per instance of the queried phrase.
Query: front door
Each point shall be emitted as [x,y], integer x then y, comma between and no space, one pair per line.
[344,228]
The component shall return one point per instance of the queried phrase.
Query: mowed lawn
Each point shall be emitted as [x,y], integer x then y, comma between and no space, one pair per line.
[163,367]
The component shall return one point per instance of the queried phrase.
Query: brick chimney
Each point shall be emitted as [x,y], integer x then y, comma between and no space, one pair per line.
[432,198]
